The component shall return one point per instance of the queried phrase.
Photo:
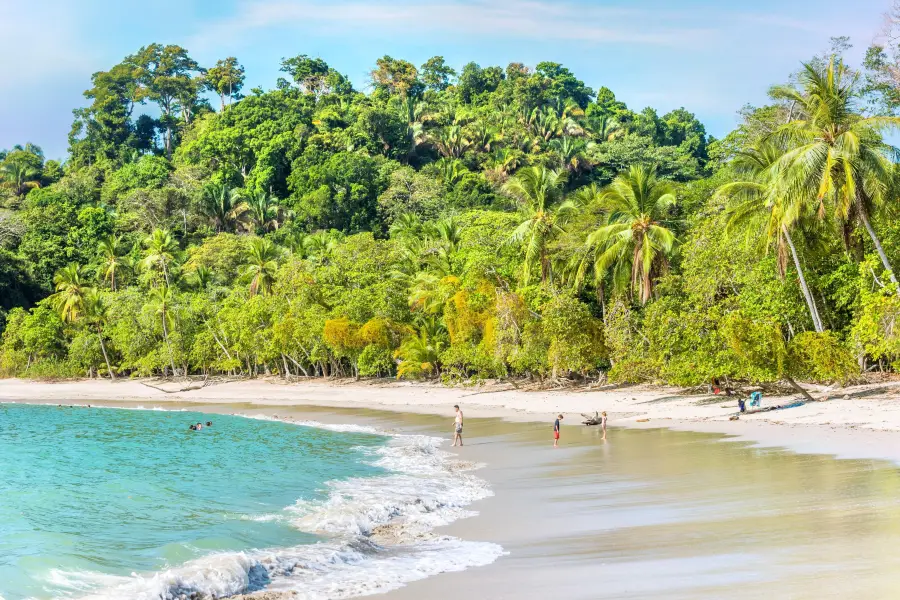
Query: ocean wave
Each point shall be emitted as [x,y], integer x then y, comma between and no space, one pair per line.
[378,536]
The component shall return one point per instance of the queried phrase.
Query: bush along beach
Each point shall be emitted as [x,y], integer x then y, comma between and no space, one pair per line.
[453,223]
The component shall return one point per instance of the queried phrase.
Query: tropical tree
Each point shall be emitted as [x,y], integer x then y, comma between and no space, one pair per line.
[263,212]
[262,262]
[161,300]
[112,260]
[159,253]
[451,141]
[419,356]
[834,153]
[96,316]
[223,206]
[570,152]
[20,176]
[637,236]
[539,192]
[71,289]
[763,210]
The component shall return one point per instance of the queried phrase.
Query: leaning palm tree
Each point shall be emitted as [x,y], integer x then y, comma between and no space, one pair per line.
[159,253]
[835,155]
[112,259]
[223,206]
[71,289]
[636,238]
[761,209]
[540,194]
[161,300]
[95,313]
[262,262]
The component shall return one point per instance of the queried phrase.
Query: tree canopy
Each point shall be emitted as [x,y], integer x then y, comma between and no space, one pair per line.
[452,221]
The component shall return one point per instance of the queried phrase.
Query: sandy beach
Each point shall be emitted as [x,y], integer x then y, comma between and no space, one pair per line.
[854,422]
[662,509]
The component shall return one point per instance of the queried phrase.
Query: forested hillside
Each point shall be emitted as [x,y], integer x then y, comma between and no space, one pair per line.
[490,222]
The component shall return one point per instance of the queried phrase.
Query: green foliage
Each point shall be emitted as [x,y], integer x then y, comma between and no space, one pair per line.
[480,223]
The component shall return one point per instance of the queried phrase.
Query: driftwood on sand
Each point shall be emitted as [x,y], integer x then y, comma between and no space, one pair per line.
[190,386]
[596,419]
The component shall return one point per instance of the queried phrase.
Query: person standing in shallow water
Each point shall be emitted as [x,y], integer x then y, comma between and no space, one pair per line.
[457,426]
[603,424]
[556,431]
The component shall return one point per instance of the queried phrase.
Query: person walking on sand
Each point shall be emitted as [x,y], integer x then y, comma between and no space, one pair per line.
[603,424]
[457,426]
[556,431]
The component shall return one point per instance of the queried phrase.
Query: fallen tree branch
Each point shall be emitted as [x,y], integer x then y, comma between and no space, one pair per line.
[187,388]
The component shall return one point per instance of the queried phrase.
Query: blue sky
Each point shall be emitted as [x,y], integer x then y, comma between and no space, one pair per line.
[709,56]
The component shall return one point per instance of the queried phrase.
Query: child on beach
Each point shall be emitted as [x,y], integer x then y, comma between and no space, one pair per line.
[556,431]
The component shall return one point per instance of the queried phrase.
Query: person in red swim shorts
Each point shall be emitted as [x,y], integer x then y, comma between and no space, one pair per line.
[556,431]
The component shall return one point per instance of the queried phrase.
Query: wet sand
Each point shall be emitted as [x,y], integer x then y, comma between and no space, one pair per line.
[653,513]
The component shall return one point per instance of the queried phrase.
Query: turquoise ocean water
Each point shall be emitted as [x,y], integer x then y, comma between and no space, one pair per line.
[112,503]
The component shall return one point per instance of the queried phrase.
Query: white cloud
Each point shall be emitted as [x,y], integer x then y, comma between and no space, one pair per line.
[519,19]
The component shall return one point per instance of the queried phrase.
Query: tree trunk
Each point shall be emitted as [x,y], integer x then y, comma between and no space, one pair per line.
[168,345]
[810,301]
[797,387]
[864,217]
[112,376]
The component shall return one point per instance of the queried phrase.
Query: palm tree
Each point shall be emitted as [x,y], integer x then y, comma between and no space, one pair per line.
[262,257]
[405,226]
[321,244]
[262,211]
[451,170]
[223,206]
[758,205]
[834,153]
[637,234]
[95,313]
[539,192]
[20,176]
[203,277]
[71,289]
[111,259]
[571,154]
[419,355]
[161,300]
[415,113]
[160,252]
[451,141]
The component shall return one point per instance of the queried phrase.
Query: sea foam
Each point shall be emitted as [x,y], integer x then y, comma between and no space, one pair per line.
[378,534]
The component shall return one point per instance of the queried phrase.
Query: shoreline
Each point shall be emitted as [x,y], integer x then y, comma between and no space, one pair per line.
[593,506]
[859,422]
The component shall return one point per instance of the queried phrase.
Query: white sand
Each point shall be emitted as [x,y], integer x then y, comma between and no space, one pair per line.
[858,422]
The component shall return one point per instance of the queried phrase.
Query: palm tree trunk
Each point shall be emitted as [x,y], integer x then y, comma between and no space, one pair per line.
[112,376]
[810,301]
[168,345]
[864,217]
[797,387]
